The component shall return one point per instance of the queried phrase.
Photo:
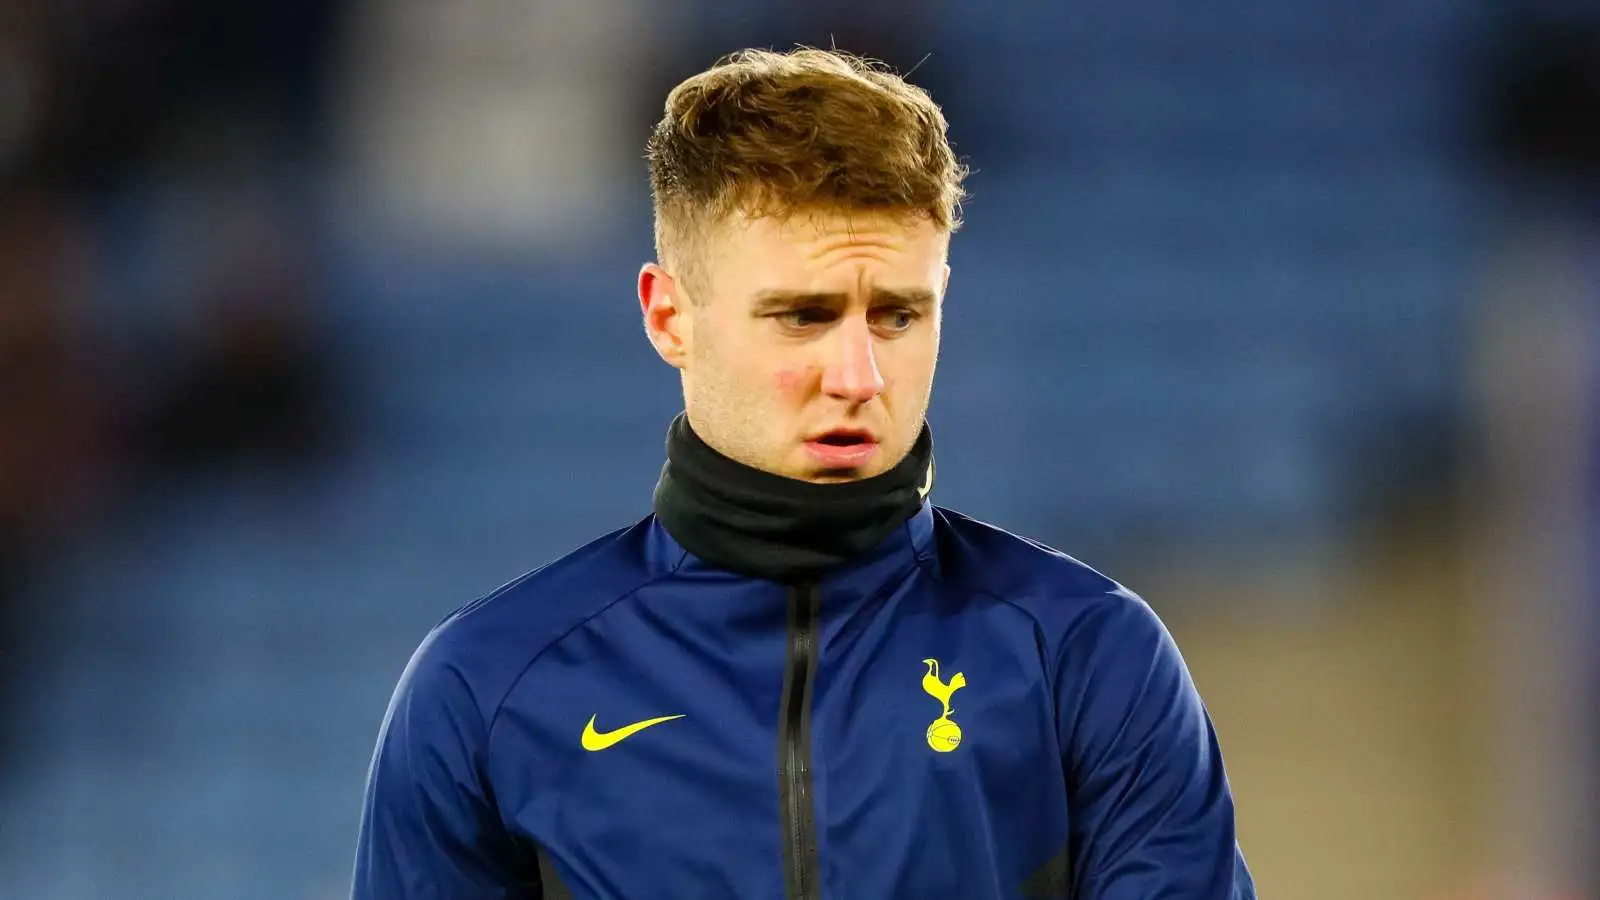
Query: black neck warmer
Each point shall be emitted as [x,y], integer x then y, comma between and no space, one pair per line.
[767,526]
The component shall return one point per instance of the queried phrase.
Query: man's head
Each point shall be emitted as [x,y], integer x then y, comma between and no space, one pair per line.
[804,203]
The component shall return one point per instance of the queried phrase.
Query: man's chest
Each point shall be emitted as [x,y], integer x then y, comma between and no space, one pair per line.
[883,757]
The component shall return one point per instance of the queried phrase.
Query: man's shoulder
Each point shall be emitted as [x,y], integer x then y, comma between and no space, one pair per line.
[1059,591]
[487,643]
[577,583]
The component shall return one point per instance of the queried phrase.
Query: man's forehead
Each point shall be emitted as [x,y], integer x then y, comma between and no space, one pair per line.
[745,254]
[798,243]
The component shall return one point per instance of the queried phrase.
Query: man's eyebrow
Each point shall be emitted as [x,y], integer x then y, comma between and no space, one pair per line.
[772,301]
[912,297]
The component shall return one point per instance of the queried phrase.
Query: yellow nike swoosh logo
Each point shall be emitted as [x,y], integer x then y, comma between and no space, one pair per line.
[927,484]
[594,740]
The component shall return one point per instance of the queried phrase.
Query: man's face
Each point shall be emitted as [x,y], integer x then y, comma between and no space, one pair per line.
[809,347]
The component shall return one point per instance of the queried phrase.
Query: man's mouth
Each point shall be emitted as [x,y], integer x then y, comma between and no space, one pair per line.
[844,437]
[843,448]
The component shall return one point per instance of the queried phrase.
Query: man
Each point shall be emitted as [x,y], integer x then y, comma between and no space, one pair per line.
[797,678]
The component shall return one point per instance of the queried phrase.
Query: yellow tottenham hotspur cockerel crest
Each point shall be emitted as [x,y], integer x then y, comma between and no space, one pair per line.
[944,734]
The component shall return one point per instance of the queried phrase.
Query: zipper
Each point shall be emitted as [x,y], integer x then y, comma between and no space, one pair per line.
[801,871]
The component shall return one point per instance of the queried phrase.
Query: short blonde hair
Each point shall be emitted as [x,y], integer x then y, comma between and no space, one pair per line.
[770,133]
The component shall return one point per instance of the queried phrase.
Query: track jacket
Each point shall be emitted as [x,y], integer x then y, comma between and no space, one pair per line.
[775,690]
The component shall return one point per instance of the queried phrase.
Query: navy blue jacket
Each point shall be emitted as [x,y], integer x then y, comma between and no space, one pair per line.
[958,713]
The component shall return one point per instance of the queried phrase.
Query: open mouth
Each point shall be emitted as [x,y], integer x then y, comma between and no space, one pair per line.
[842,439]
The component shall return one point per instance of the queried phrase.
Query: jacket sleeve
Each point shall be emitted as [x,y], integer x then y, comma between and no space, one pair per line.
[429,828]
[1151,810]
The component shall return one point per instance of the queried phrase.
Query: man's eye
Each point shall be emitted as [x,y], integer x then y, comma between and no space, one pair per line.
[898,319]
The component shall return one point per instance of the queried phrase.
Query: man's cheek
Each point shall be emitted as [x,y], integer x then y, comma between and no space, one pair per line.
[794,381]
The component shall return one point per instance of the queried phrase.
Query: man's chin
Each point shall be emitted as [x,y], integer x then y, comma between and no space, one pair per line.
[807,470]
[836,476]
[811,473]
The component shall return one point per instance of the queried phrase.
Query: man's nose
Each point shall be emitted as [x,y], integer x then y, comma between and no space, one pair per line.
[853,372]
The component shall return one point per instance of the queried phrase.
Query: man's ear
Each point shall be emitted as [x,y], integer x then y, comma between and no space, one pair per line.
[665,309]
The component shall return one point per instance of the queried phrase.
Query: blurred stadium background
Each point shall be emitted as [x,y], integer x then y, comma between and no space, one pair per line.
[316,321]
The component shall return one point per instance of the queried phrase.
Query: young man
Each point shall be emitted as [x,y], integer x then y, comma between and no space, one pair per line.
[797,678]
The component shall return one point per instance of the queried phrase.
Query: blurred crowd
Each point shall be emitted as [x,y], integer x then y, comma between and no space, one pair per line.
[132,352]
